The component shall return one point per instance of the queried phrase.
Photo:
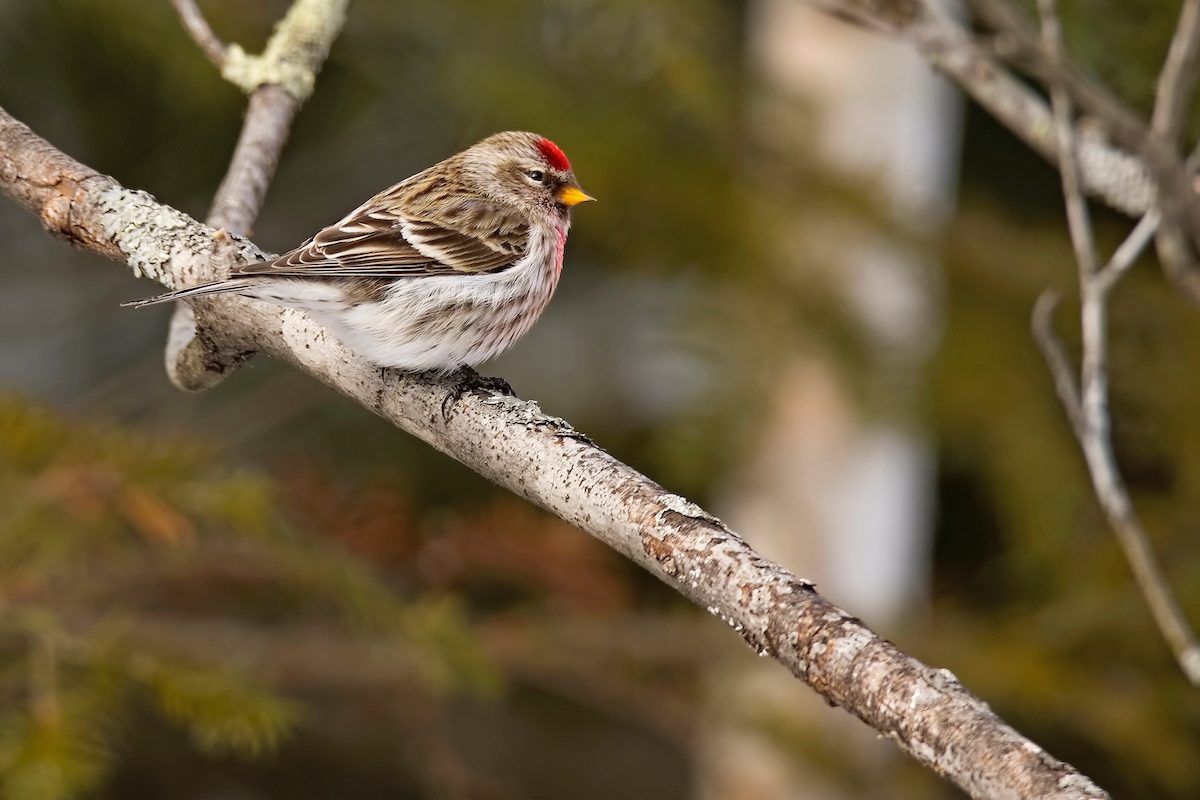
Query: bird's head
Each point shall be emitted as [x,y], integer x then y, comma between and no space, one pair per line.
[525,169]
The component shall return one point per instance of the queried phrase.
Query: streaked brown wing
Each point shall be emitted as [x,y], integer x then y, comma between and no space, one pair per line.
[464,253]
[371,243]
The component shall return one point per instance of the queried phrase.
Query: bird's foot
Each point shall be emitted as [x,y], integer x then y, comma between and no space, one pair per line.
[468,380]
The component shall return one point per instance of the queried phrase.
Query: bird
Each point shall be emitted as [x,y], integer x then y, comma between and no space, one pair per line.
[441,271]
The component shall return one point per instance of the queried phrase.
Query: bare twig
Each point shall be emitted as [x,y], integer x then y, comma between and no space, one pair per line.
[1127,254]
[1178,236]
[1087,407]
[198,28]
[1144,172]
[1144,178]
[1115,502]
[279,81]
[1175,84]
[542,458]
[1093,376]
[1143,233]
[1068,163]
[1108,173]
[1178,75]
[1056,358]
[1123,124]
[1034,53]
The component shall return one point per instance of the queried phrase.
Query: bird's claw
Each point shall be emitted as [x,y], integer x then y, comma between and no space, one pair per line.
[468,380]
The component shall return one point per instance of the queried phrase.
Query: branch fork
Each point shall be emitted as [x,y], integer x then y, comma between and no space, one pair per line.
[278,82]
[1144,176]
[1086,402]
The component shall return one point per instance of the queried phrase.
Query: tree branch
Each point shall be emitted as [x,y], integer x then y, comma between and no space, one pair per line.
[1056,358]
[1178,76]
[278,81]
[1144,173]
[542,458]
[1078,221]
[1114,497]
[1110,174]
[1087,408]
[1126,255]
[1175,84]
[1179,234]
[240,197]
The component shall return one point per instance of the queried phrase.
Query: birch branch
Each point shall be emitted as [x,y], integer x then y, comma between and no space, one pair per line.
[1156,143]
[1087,406]
[925,711]
[278,82]
[1143,177]
[1118,178]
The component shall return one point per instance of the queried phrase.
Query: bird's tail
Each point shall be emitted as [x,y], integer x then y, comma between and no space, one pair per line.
[200,290]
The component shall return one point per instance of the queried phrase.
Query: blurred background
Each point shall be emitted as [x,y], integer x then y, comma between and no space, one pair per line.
[802,300]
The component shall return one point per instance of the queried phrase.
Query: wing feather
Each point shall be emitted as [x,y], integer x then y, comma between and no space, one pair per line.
[375,241]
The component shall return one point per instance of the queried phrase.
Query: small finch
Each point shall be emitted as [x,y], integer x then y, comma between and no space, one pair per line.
[445,269]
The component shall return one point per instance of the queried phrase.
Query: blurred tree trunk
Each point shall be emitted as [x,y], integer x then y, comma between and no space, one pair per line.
[841,486]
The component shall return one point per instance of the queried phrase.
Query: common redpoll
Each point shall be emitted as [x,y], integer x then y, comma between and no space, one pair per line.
[445,269]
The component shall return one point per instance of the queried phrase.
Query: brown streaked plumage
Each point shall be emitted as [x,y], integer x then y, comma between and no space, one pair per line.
[446,268]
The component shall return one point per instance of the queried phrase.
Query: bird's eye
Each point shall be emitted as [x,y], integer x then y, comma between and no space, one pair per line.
[536,175]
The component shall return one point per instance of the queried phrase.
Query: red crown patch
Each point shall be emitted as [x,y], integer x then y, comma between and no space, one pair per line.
[554,155]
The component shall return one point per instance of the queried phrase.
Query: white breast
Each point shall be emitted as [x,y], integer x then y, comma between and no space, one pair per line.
[445,321]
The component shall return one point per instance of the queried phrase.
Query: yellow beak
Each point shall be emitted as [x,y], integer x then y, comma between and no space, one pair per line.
[573,196]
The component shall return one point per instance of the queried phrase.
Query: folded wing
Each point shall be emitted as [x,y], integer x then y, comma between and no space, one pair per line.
[379,241]
[371,243]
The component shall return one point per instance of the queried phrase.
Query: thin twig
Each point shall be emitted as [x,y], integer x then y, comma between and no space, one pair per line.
[1087,406]
[1178,75]
[1179,233]
[1115,502]
[1143,233]
[1116,176]
[1056,358]
[1175,83]
[1068,162]
[200,31]
[1093,377]
[1034,52]
[1140,174]
[1146,231]
[1125,256]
